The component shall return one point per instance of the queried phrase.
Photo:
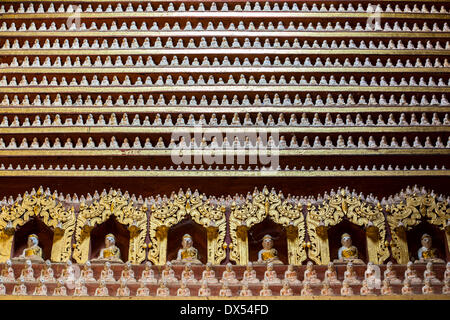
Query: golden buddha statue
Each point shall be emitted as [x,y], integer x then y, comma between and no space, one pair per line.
[268,254]
[427,253]
[348,252]
[32,252]
[111,252]
[188,253]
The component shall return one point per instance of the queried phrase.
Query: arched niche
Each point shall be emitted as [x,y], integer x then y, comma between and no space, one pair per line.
[411,211]
[199,236]
[44,233]
[120,232]
[44,207]
[279,237]
[126,215]
[345,207]
[414,235]
[181,206]
[282,211]
[357,233]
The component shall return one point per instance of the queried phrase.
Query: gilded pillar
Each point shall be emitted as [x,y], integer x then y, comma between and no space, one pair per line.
[6,241]
[242,244]
[161,236]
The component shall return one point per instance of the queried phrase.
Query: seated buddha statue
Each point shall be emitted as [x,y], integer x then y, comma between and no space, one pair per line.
[168,275]
[229,275]
[245,291]
[47,273]
[446,287]
[162,290]
[270,275]
[60,289]
[204,291]
[27,272]
[148,276]
[2,288]
[290,275]
[407,289]
[265,290]
[209,275]
[107,274]
[310,275]
[250,274]
[326,289]
[391,275]
[447,271]
[430,274]
[40,289]
[331,275]
[386,289]
[427,252]
[346,290]
[366,290]
[102,290]
[87,274]
[268,254]
[80,289]
[183,290]
[307,290]
[371,276]
[350,275]
[123,290]
[411,274]
[32,252]
[20,289]
[225,290]
[188,275]
[142,291]
[427,288]
[68,273]
[127,274]
[8,272]
[110,252]
[347,252]
[188,253]
[286,290]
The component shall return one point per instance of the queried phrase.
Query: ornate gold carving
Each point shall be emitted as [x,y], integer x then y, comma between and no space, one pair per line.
[50,211]
[267,204]
[332,212]
[409,213]
[178,208]
[126,213]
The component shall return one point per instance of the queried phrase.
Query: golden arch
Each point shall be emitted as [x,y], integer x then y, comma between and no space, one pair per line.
[332,212]
[267,204]
[52,213]
[126,213]
[176,209]
[409,213]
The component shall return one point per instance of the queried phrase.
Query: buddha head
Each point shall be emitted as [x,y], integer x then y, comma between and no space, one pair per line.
[187,241]
[286,284]
[187,267]
[326,285]
[60,283]
[269,267]
[229,266]
[208,266]
[290,267]
[168,265]
[148,265]
[346,240]
[128,265]
[87,265]
[245,286]
[107,265]
[345,284]
[389,265]
[427,282]
[349,266]
[48,263]
[249,266]
[163,284]
[364,283]
[409,265]
[8,263]
[267,242]
[426,241]
[448,266]
[331,266]
[265,286]
[33,240]
[110,240]
[429,266]
[102,283]
[28,263]
[309,265]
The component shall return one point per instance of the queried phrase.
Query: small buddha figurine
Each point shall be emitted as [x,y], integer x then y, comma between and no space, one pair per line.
[265,290]
[350,275]
[142,291]
[229,275]
[87,274]
[225,290]
[40,289]
[348,252]
[80,288]
[32,252]
[446,287]
[346,290]
[430,274]
[268,254]
[168,275]
[366,290]
[331,275]
[307,290]
[427,252]
[123,290]
[183,291]
[310,275]
[20,289]
[2,288]
[386,289]
[110,252]
[326,289]
[286,290]
[250,274]
[270,275]
[204,291]
[47,273]
[8,272]
[148,276]
[60,289]
[407,289]
[188,275]
[290,275]
[68,273]
[107,274]
[162,290]
[427,288]
[127,274]
[446,273]
[245,291]
[371,277]
[411,274]
[209,275]
[391,275]
[188,253]
[102,290]
[27,272]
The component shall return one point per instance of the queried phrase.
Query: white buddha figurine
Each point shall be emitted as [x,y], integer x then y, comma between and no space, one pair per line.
[60,289]
[2,288]
[290,275]
[411,274]
[346,290]
[331,275]
[187,275]
[372,277]
[209,275]
[123,290]
[245,291]
[183,290]
[249,275]
[265,290]
[148,276]
[429,274]
[391,275]
[168,275]
[162,290]
[204,291]
[407,289]
[40,289]
[225,290]
[20,289]
[270,275]
[80,289]
[8,272]
[87,274]
[350,275]
[47,273]
[27,272]
[127,274]
[102,290]
[68,273]
[107,274]
[229,275]
[310,275]
[286,290]
[142,291]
